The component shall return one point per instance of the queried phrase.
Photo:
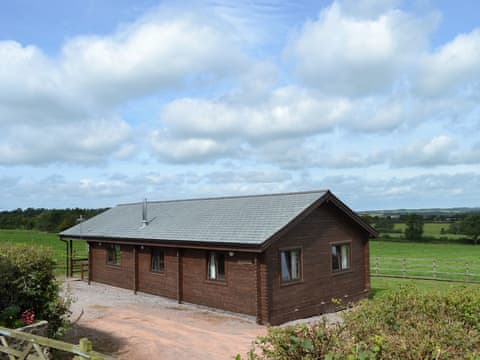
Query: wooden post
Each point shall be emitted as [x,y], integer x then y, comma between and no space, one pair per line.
[135,269]
[89,263]
[259,289]
[404,267]
[66,257]
[435,268]
[467,270]
[179,276]
[376,265]
[71,258]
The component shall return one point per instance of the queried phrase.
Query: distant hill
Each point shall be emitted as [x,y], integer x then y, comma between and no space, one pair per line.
[424,212]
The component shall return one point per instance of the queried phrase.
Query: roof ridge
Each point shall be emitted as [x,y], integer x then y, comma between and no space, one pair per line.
[229,197]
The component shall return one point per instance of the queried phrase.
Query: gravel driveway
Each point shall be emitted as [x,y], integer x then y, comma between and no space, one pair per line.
[144,326]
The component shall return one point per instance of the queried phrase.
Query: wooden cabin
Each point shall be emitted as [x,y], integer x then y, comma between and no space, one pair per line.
[278,257]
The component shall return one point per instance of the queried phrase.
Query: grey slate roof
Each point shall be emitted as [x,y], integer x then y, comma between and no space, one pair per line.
[244,220]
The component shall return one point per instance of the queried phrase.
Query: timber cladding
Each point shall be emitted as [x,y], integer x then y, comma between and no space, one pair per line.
[319,285]
[237,293]
[321,255]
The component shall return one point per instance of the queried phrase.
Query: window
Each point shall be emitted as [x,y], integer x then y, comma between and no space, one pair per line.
[290,265]
[340,257]
[158,260]
[216,266]
[113,254]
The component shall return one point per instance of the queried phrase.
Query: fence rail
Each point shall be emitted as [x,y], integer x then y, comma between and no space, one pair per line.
[427,269]
[19,345]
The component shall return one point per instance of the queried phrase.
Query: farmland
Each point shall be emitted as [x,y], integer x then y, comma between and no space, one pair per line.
[431,230]
[444,251]
[382,249]
[43,239]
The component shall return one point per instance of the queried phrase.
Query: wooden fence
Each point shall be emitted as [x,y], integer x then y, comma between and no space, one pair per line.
[77,267]
[426,269]
[19,345]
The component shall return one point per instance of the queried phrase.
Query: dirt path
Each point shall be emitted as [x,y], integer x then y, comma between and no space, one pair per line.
[150,327]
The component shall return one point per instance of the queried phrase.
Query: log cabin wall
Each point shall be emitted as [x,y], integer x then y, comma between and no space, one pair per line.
[319,285]
[237,293]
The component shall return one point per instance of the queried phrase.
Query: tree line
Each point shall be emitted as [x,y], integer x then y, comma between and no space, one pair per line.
[50,220]
[465,224]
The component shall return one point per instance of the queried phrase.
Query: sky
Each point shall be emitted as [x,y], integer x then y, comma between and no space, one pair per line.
[113,101]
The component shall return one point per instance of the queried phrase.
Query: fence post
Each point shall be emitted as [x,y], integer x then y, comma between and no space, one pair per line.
[467,270]
[376,265]
[404,267]
[434,268]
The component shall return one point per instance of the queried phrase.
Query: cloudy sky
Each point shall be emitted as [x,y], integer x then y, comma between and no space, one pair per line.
[104,102]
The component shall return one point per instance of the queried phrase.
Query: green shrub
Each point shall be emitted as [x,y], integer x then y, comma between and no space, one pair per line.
[10,315]
[403,324]
[28,282]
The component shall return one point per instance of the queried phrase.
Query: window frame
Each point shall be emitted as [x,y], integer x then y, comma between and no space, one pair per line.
[117,254]
[216,280]
[161,262]
[340,244]
[300,267]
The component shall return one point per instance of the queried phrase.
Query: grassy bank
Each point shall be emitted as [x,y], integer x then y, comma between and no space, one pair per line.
[42,239]
[447,251]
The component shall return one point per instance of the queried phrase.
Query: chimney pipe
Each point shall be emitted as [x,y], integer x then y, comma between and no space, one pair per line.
[144,213]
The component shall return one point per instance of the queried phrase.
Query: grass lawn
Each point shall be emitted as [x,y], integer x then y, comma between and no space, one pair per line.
[381,285]
[433,230]
[445,251]
[48,240]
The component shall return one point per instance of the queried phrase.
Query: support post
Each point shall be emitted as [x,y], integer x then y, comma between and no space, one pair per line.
[66,256]
[89,262]
[259,289]
[70,255]
[179,276]
[135,269]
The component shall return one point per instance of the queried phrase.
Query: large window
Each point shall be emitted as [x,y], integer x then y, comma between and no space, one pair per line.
[340,257]
[290,261]
[158,260]
[216,266]
[113,254]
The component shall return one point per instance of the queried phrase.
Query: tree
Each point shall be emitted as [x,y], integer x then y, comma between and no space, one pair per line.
[414,229]
[384,224]
[470,226]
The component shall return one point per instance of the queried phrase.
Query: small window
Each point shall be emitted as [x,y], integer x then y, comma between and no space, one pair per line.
[340,257]
[290,265]
[216,266]
[113,254]
[158,260]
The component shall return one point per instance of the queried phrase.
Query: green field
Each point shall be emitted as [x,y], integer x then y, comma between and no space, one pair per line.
[381,285]
[447,251]
[44,239]
[430,230]
[443,253]
[441,261]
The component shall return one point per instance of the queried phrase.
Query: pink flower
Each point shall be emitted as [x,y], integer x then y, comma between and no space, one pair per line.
[28,317]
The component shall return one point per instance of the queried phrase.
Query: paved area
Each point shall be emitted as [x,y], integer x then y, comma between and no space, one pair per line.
[144,326]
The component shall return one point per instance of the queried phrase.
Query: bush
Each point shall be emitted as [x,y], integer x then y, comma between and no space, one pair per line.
[28,283]
[403,324]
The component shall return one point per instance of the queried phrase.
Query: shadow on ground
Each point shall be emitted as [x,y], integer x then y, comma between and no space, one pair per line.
[102,342]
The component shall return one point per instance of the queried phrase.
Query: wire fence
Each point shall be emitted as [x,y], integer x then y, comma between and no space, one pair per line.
[426,269]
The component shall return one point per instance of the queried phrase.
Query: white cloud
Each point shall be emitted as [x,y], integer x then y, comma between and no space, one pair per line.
[45,100]
[436,151]
[82,142]
[186,150]
[288,112]
[152,54]
[454,66]
[344,54]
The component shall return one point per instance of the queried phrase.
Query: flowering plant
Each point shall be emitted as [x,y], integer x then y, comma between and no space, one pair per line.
[28,317]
